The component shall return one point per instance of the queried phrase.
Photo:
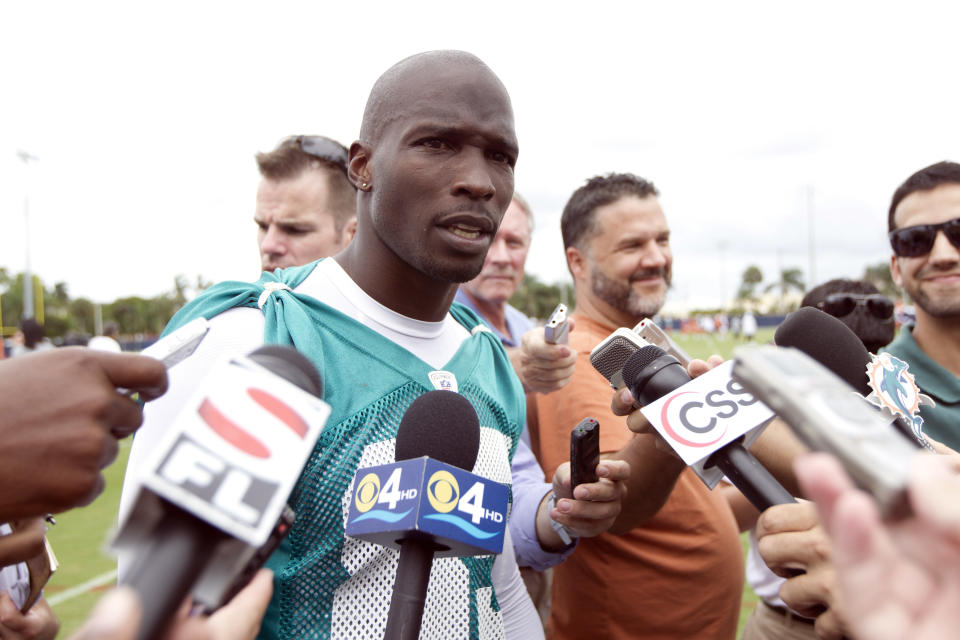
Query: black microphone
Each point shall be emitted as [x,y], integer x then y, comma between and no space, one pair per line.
[651,373]
[442,425]
[833,344]
[176,528]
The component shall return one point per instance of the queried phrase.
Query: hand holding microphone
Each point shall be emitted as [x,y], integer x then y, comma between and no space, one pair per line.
[651,374]
[215,489]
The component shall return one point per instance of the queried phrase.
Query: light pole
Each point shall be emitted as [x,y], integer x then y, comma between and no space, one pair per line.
[27,275]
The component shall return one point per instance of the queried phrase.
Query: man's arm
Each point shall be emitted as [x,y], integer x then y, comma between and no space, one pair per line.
[653,468]
[60,410]
[536,542]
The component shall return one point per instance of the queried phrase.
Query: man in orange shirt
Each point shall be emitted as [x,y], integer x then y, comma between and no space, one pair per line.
[677,569]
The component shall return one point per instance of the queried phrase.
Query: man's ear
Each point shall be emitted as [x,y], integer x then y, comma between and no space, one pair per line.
[350,229]
[576,262]
[358,166]
[895,270]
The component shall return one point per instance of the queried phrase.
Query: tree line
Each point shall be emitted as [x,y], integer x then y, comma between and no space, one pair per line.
[63,315]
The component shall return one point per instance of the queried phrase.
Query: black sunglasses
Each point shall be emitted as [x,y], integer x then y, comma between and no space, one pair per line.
[842,304]
[911,242]
[324,149]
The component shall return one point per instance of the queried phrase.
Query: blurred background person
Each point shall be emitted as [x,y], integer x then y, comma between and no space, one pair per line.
[30,338]
[108,341]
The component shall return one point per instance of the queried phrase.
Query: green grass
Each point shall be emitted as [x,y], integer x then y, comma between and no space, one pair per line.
[79,540]
[80,536]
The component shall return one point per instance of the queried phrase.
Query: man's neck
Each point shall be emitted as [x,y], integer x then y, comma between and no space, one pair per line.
[602,312]
[396,285]
[493,312]
[940,340]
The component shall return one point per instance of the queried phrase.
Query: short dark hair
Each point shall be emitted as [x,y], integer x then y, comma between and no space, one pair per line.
[927,179]
[577,221]
[874,333]
[32,332]
[840,285]
[289,160]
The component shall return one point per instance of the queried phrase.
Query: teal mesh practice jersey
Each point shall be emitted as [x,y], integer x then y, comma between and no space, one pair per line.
[327,585]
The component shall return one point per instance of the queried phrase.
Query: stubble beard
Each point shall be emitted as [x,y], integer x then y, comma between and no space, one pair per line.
[621,296]
[943,305]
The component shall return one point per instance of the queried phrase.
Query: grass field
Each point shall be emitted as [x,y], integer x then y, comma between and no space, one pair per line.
[79,537]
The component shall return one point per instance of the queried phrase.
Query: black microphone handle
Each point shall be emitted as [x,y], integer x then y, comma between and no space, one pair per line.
[410,590]
[749,476]
[168,566]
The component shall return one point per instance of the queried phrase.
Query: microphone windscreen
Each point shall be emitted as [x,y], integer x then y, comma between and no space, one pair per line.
[638,361]
[442,425]
[828,341]
[291,365]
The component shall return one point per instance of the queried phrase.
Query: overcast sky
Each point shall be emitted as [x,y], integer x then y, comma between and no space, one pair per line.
[145,119]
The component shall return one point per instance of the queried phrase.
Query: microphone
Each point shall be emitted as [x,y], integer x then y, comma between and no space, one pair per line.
[213,496]
[657,379]
[883,379]
[416,502]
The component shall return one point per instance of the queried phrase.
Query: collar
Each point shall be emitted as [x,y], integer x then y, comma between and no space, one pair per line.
[932,378]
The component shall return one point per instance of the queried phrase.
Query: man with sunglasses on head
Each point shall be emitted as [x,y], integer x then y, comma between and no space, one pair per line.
[306,205]
[924,223]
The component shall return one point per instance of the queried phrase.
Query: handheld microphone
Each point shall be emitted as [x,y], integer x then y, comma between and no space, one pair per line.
[826,413]
[212,494]
[426,503]
[882,379]
[657,380]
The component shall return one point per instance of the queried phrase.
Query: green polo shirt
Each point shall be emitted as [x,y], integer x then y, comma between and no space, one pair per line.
[941,422]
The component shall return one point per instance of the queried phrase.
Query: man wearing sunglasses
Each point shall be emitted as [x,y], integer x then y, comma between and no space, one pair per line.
[860,306]
[306,205]
[924,223]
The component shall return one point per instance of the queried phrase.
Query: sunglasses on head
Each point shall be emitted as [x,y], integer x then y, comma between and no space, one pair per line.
[842,304]
[324,149]
[911,242]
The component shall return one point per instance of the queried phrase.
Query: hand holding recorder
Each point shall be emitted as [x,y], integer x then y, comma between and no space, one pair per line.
[544,362]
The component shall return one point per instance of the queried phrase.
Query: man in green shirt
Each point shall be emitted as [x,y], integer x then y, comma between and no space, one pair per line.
[924,224]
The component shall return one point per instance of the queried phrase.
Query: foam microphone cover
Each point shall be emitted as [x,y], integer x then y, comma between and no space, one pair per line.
[442,425]
[291,365]
[828,341]
[638,361]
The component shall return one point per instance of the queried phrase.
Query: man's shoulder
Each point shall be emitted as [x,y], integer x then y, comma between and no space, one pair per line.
[903,345]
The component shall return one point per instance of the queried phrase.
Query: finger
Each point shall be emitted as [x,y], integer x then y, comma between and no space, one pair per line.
[823,480]
[809,594]
[614,470]
[138,373]
[116,617]
[242,616]
[10,616]
[829,626]
[638,423]
[781,518]
[602,490]
[622,403]
[24,543]
[124,416]
[585,513]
